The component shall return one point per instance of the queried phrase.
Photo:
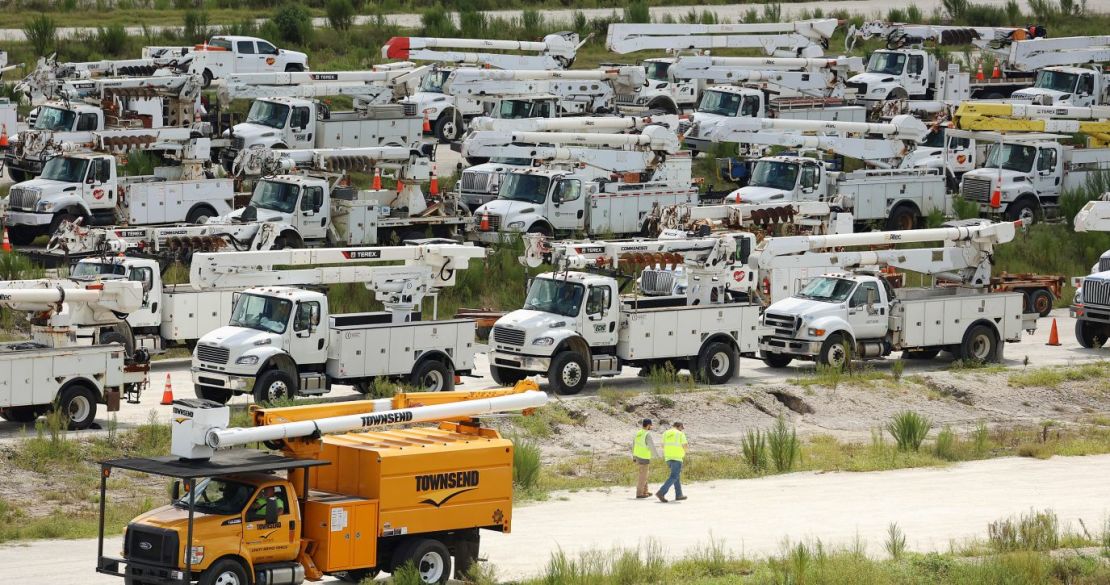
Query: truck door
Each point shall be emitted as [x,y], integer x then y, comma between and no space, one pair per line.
[599,325]
[867,311]
[275,538]
[268,58]
[1084,91]
[149,315]
[1047,179]
[961,155]
[300,124]
[246,58]
[308,345]
[568,208]
[97,191]
[916,81]
[312,216]
[809,185]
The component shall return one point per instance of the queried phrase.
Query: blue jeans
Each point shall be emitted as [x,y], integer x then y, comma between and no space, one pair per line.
[675,479]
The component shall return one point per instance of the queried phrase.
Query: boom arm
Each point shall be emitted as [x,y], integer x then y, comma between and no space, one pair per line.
[379,86]
[899,35]
[1094,217]
[806,38]
[700,252]
[1033,54]
[1033,118]
[556,51]
[265,161]
[798,74]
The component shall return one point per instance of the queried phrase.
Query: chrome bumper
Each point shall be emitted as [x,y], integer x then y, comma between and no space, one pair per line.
[800,348]
[233,382]
[27,218]
[528,363]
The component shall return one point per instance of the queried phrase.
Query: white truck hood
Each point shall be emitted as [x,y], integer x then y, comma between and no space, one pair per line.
[1007,175]
[45,186]
[809,310]
[705,125]
[923,157]
[536,322]
[240,337]
[249,131]
[757,195]
[875,84]
[264,215]
[508,210]
[429,102]
[1040,95]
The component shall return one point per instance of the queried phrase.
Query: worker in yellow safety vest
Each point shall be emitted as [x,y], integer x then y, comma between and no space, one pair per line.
[674,452]
[643,449]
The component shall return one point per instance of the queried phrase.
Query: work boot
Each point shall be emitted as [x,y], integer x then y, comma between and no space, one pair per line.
[660,496]
[642,496]
[679,498]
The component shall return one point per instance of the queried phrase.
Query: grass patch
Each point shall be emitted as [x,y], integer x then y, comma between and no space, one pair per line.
[1052,377]
[544,422]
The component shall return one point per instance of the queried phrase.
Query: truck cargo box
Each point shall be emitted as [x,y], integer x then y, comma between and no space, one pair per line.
[680,331]
[941,316]
[368,347]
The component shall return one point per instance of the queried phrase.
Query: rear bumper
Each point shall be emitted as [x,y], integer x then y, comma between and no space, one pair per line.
[798,348]
[27,218]
[233,382]
[516,361]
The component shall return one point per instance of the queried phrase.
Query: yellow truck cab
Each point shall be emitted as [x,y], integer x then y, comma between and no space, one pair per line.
[364,502]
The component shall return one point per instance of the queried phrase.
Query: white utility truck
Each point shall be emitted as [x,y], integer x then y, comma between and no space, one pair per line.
[592,182]
[854,313]
[446,113]
[87,185]
[225,55]
[118,115]
[518,96]
[67,366]
[576,325]
[383,84]
[281,342]
[1091,305]
[666,92]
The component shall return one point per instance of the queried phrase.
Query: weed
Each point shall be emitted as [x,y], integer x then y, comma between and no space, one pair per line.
[293,23]
[341,14]
[895,541]
[947,445]
[407,574]
[896,369]
[1053,377]
[112,39]
[637,12]
[754,448]
[909,430]
[195,29]
[1038,531]
[784,447]
[526,463]
[42,32]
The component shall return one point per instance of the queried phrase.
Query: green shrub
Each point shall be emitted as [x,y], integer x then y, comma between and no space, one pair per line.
[435,22]
[637,11]
[784,447]
[293,24]
[42,32]
[909,430]
[1038,531]
[195,29]
[947,445]
[472,21]
[532,24]
[895,540]
[341,14]
[754,449]
[526,463]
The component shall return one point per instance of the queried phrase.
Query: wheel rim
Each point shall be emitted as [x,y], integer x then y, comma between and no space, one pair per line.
[450,130]
[227,578]
[433,381]
[837,355]
[720,364]
[278,389]
[1041,304]
[572,374]
[78,409]
[431,567]
[981,346]
[1026,215]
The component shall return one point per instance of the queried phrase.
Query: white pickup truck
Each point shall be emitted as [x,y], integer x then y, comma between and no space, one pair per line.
[87,185]
[225,55]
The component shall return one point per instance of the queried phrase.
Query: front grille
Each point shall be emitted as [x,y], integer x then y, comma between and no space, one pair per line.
[1104,264]
[476,181]
[408,108]
[782,324]
[859,86]
[238,143]
[976,189]
[151,545]
[213,354]
[20,198]
[488,222]
[626,99]
[1096,292]
[657,282]
[508,335]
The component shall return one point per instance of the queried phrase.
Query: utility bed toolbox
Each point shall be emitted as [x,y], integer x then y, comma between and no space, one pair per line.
[674,332]
[342,528]
[941,316]
[189,314]
[362,348]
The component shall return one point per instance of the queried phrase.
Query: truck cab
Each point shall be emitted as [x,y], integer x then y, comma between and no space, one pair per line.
[447,114]
[540,200]
[722,102]
[276,123]
[782,179]
[1018,179]
[480,183]
[1065,86]
[225,55]
[895,74]
[662,92]
[273,346]
[70,186]
[954,154]
[301,202]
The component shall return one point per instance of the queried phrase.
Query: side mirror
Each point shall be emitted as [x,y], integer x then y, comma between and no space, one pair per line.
[271,511]
[175,491]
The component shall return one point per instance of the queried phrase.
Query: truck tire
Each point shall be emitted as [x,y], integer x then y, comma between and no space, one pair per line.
[1024,208]
[432,376]
[112,336]
[541,228]
[568,373]
[920,354]
[78,402]
[902,217]
[448,127]
[294,68]
[20,414]
[200,214]
[18,175]
[1091,335]
[662,107]
[979,345]
[274,385]
[429,557]
[834,352]
[716,363]
[212,393]
[224,572]
[207,78]
[775,360]
[23,235]
[58,220]
[506,376]
[1040,301]
[288,240]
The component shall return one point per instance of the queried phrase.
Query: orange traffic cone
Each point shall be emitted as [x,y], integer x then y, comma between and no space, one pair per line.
[377,179]
[6,245]
[400,186]
[433,188]
[996,72]
[167,393]
[1054,334]
[996,195]
[979,74]
[3,135]
[427,124]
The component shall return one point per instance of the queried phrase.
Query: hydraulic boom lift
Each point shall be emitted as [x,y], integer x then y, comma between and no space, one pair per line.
[806,38]
[379,86]
[555,51]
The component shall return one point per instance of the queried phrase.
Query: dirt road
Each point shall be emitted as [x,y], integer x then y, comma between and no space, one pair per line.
[752,516]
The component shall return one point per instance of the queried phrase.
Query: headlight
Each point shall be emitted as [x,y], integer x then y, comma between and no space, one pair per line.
[543,341]
[247,360]
[45,206]
[875,90]
[515,225]
[815,332]
[1078,299]
[196,555]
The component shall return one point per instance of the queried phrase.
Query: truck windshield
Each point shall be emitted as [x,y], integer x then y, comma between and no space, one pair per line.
[1012,157]
[268,114]
[522,187]
[65,169]
[775,174]
[220,43]
[827,289]
[275,196]
[261,313]
[1056,80]
[433,82]
[657,70]
[54,119]
[515,109]
[720,103]
[886,63]
[934,139]
[505,160]
[97,269]
[219,497]
[555,296]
